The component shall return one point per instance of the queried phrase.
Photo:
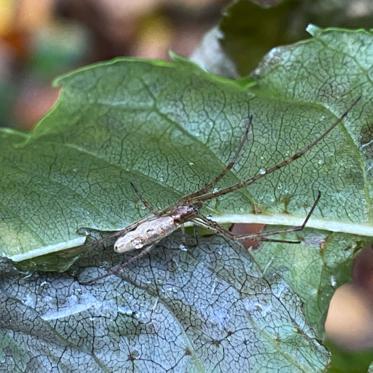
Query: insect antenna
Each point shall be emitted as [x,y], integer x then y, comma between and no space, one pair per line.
[264,172]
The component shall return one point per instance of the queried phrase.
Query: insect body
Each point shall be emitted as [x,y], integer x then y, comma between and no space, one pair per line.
[151,231]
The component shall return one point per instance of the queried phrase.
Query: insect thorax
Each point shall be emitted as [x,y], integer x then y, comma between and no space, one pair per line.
[184,213]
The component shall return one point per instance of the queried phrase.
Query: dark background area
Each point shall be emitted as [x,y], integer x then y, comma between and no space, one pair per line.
[42,39]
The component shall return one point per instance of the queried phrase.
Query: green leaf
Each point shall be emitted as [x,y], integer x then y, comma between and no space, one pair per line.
[249,29]
[349,361]
[313,269]
[170,127]
[208,309]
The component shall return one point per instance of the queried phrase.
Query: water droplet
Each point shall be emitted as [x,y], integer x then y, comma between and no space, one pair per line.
[78,291]
[191,163]
[263,309]
[29,300]
[183,247]
[127,311]
[262,171]
[213,287]
[141,317]
[333,281]
[320,161]
[171,289]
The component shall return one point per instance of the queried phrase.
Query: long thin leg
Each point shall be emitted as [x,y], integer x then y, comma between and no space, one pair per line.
[117,269]
[297,242]
[279,165]
[286,230]
[146,203]
[229,166]
[214,226]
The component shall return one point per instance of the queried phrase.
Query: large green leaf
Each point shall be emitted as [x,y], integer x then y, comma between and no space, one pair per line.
[208,309]
[169,127]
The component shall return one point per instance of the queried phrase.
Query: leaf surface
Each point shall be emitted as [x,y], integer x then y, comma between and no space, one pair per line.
[205,310]
[313,269]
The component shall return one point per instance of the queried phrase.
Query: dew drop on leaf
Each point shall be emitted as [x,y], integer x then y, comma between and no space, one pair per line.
[333,281]
[127,311]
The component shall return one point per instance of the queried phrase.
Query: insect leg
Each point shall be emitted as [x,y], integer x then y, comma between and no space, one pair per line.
[229,166]
[146,203]
[297,242]
[262,173]
[117,269]
[262,236]
[214,226]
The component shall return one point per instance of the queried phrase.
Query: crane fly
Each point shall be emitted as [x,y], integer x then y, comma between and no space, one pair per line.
[146,232]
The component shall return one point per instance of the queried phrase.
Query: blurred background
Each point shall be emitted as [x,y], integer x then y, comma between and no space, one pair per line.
[41,39]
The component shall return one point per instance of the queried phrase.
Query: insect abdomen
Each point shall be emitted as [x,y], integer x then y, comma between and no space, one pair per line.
[146,234]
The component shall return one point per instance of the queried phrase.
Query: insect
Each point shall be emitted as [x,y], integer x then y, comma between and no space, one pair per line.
[145,233]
